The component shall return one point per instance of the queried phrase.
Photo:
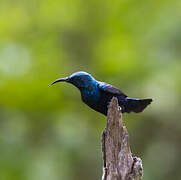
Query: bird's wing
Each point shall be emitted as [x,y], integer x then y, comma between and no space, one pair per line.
[107,88]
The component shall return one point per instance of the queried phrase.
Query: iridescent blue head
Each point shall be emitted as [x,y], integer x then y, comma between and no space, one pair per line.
[79,79]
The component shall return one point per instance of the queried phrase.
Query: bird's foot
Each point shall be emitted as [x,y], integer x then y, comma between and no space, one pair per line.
[120,108]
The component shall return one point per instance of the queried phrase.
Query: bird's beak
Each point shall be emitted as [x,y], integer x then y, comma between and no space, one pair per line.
[60,80]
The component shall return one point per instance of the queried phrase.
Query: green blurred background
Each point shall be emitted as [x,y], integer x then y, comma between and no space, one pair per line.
[46,132]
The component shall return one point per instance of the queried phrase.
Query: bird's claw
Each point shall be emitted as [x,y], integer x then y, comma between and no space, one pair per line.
[120,108]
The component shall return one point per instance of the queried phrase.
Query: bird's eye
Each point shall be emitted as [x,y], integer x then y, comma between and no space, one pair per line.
[78,79]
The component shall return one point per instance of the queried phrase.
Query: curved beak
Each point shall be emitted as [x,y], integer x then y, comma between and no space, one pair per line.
[60,80]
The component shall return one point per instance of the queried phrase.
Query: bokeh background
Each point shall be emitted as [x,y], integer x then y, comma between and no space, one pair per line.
[46,132]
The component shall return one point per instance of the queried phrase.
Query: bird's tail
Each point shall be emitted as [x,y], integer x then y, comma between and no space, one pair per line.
[136,105]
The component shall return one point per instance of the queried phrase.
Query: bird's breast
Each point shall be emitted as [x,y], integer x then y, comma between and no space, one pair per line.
[90,97]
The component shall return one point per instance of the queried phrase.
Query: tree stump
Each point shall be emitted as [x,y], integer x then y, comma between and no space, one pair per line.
[117,157]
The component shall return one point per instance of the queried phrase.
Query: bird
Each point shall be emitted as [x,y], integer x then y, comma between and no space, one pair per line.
[97,95]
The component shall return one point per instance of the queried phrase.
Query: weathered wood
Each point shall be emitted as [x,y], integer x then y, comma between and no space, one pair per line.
[117,157]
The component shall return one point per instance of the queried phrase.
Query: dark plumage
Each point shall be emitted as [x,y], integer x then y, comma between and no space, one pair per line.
[97,95]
